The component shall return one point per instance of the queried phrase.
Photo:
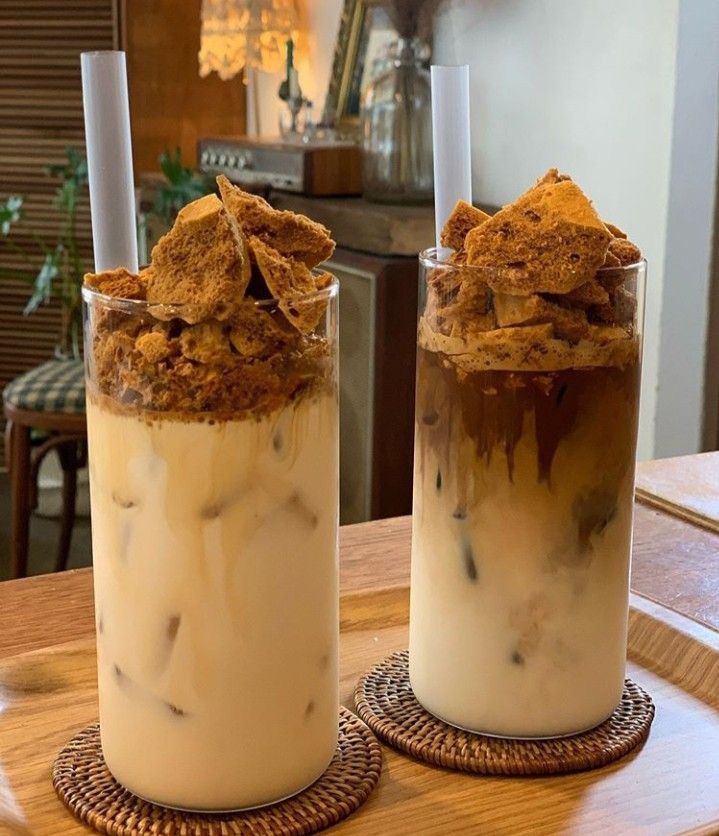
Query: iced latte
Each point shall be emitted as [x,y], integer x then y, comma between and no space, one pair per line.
[213,432]
[526,420]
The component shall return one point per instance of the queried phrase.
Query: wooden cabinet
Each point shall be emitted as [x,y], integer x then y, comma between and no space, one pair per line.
[378,301]
[376,263]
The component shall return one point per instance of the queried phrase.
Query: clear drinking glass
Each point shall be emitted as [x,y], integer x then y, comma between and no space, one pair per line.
[522,520]
[215,557]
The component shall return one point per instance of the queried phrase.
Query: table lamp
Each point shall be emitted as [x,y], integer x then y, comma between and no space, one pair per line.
[245,34]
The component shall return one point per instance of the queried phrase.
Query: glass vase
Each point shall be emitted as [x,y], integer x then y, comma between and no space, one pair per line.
[397,128]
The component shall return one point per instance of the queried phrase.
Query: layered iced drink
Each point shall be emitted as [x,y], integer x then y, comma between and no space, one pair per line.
[526,421]
[213,433]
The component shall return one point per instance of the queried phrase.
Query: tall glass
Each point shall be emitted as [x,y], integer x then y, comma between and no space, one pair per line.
[215,555]
[523,496]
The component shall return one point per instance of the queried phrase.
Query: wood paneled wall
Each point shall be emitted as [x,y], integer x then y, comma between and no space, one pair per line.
[169,103]
[40,116]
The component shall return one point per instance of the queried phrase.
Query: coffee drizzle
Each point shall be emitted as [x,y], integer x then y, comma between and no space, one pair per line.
[493,406]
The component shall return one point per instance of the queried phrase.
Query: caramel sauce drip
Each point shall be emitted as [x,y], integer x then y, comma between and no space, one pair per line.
[493,407]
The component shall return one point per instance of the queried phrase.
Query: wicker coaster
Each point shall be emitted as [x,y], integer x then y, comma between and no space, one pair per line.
[385,701]
[85,785]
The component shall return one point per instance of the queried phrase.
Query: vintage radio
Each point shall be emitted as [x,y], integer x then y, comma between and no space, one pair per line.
[310,169]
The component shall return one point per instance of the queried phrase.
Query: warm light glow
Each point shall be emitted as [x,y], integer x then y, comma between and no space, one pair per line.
[244,33]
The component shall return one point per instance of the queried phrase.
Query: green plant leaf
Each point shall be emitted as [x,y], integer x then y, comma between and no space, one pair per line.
[173,169]
[182,186]
[77,164]
[42,292]
[73,177]
[66,196]
[10,213]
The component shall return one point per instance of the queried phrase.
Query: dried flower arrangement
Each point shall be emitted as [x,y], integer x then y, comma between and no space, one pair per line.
[412,18]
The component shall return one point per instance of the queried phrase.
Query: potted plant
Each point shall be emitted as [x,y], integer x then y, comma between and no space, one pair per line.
[164,194]
[61,271]
[182,185]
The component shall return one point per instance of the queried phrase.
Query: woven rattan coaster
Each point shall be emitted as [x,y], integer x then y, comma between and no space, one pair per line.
[85,785]
[385,701]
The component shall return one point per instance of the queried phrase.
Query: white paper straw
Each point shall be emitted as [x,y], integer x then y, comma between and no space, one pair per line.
[451,141]
[109,160]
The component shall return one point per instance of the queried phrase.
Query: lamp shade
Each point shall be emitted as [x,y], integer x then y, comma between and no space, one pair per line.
[244,33]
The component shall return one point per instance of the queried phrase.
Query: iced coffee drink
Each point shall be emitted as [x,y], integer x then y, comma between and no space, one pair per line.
[213,432]
[526,421]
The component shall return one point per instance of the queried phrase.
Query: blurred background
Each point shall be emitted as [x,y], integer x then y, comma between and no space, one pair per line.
[323,107]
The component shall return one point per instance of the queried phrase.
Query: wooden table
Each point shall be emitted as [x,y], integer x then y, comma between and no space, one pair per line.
[675,564]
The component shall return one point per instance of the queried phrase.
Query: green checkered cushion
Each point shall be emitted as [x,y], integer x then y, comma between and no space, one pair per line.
[56,386]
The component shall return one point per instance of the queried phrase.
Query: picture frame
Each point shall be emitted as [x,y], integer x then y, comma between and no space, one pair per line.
[365,31]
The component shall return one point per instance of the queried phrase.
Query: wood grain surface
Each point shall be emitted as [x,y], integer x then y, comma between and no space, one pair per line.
[47,692]
[670,785]
[358,224]
[685,486]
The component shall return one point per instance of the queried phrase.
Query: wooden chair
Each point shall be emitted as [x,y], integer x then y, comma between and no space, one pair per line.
[45,410]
